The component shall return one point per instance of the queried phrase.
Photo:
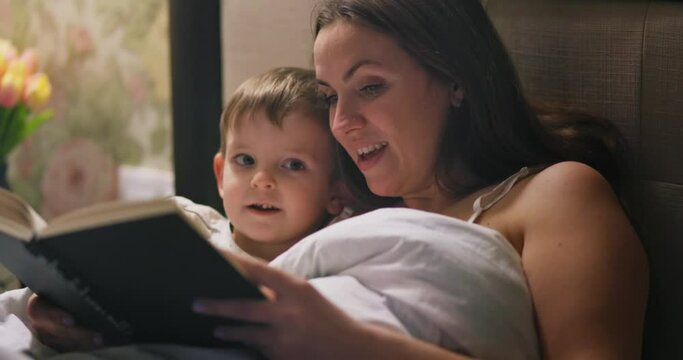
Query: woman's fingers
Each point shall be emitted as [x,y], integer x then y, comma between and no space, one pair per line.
[255,311]
[296,323]
[258,336]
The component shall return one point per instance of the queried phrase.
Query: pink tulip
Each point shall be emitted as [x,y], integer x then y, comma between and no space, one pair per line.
[30,60]
[11,87]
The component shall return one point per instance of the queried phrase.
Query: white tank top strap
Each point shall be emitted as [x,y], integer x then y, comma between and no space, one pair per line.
[485,201]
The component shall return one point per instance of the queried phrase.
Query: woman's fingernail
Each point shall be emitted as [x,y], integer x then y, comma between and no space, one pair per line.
[68,320]
[219,332]
[198,306]
[98,340]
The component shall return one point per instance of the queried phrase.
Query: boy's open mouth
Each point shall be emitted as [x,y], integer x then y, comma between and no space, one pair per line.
[267,208]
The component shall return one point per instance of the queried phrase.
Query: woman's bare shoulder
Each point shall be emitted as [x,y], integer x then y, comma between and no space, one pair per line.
[572,224]
[564,185]
[567,194]
[552,194]
[569,175]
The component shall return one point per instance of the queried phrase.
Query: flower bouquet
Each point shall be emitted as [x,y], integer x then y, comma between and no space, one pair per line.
[23,93]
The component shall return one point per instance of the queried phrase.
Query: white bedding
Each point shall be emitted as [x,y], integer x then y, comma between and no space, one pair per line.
[445,281]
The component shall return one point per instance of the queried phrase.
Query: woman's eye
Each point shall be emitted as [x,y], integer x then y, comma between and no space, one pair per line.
[372,90]
[331,99]
[294,165]
[244,160]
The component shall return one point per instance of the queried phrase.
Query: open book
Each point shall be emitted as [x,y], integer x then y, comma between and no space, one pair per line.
[127,269]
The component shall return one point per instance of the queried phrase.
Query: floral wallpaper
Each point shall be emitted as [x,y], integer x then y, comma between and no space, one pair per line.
[110,70]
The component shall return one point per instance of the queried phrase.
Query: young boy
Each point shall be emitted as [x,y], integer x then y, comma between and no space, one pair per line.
[276,169]
[276,173]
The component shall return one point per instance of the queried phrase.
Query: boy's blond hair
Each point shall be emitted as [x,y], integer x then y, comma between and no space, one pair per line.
[277,92]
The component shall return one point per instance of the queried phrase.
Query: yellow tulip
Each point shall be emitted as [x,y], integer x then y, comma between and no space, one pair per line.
[7,54]
[30,60]
[17,67]
[38,90]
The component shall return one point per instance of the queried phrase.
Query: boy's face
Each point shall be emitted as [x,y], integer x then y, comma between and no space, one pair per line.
[276,182]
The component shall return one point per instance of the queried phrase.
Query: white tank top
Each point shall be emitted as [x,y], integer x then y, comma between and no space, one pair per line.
[486,201]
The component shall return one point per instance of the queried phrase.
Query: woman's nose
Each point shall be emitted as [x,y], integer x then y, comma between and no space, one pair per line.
[345,118]
[263,180]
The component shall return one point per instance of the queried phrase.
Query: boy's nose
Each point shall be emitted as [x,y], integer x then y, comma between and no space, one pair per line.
[263,180]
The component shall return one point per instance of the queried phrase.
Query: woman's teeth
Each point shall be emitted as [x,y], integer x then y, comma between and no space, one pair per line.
[365,151]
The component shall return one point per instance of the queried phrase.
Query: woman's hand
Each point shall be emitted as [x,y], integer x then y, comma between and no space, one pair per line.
[296,322]
[57,329]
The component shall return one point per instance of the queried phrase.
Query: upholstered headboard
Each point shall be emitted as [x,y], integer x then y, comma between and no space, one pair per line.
[622,60]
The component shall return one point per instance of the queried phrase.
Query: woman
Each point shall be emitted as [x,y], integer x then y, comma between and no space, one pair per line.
[427,107]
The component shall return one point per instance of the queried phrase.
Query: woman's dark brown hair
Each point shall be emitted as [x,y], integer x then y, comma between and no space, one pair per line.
[495,131]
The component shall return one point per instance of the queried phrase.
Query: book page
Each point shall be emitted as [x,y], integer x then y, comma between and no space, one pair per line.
[17,218]
[106,214]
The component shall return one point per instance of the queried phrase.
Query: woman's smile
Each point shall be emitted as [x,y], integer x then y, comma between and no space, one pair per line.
[368,156]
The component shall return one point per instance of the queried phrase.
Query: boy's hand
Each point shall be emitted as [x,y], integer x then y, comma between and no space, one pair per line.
[58,330]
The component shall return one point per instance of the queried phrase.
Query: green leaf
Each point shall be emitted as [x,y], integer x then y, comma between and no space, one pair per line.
[6,138]
[15,127]
[34,122]
[4,122]
[12,129]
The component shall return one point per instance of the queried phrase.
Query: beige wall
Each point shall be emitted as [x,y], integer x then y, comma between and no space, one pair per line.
[261,34]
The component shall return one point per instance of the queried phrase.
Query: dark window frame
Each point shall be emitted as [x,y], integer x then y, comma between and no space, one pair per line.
[197,100]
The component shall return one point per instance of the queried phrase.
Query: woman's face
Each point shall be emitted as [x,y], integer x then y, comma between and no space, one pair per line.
[385,109]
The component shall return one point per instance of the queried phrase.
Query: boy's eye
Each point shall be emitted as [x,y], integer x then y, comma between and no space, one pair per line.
[244,160]
[331,99]
[294,165]
[372,90]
